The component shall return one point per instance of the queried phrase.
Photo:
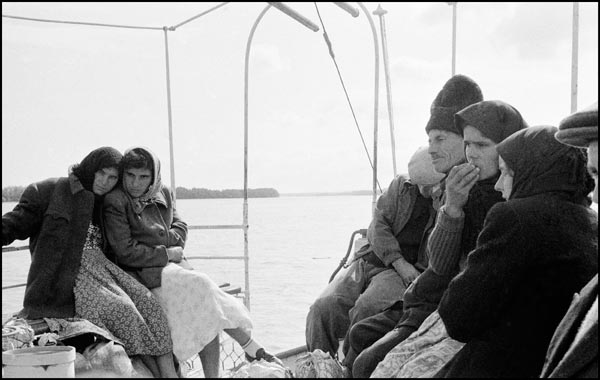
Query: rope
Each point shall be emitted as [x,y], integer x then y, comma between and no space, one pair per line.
[195,17]
[329,46]
[171,28]
[82,23]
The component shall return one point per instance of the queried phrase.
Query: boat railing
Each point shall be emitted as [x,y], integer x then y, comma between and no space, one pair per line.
[197,257]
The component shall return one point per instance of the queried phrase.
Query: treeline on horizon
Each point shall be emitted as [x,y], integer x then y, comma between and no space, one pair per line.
[13,193]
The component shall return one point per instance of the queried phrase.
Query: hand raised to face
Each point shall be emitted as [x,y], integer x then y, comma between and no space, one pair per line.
[460,181]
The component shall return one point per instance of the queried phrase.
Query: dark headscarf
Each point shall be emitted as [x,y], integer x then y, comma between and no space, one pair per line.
[104,157]
[85,171]
[495,119]
[543,165]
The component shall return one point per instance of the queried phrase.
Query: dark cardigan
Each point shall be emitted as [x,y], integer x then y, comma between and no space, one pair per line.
[532,255]
[55,215]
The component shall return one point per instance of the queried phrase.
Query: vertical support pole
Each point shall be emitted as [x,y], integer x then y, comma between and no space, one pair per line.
[171,153]
[574,57]
[388,83]
[376,105]
[453,39]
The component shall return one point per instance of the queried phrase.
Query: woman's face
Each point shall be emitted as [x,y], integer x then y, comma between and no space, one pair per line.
[593,166]
[481,152]
[505,182]
[104,180]
[137,181]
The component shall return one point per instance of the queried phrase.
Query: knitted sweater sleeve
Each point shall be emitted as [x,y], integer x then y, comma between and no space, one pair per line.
[444,243]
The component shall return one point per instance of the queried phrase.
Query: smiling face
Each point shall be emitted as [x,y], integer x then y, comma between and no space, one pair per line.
[481,152]
[104,180]
[136,181]
[505,182]
[446,150]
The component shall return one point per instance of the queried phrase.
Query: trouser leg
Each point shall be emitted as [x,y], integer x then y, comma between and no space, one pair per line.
[368,331]
[369,358]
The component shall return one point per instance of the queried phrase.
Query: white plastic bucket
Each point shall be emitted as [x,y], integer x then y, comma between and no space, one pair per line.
[50,361]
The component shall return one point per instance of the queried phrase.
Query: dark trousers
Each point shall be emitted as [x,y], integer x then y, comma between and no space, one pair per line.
[368,331]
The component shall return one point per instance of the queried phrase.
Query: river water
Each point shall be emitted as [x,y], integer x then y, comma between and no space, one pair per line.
[295,243]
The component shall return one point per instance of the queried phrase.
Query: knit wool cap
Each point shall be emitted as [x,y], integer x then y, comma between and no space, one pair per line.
[495,119]
[420,168]
[104,157]
[459,92]
[579,128]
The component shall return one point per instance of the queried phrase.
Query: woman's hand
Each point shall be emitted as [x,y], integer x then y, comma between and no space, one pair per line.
[175,254]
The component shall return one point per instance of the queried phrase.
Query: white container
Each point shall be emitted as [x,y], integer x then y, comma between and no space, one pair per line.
[49,361]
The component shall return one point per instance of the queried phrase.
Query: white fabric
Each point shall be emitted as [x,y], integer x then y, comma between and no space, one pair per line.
[197,309]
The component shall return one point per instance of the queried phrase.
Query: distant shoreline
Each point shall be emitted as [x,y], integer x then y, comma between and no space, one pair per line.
[13,193]
[326,194]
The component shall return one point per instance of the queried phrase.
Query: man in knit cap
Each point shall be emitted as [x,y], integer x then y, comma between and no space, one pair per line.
[385,266]
[446,151]
[573,350]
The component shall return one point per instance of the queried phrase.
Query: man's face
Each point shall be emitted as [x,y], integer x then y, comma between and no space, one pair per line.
[137,181]
[104,180]
[481,152]
[593,166]
[446,150]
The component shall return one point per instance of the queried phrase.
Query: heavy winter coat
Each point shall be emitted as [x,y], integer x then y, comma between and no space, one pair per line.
[534,252]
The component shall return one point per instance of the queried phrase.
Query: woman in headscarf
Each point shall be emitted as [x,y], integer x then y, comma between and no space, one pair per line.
[147,238]
[69,274]
[534,252]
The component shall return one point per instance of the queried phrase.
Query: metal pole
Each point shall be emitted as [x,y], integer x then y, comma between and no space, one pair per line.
[245,211]
[453,38]
[311,26]
[574,57]
[388,85]
[171,153]
[376,105]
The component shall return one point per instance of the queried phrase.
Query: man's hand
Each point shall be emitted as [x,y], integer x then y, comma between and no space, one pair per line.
[175,254]
[406,270]
[460,181]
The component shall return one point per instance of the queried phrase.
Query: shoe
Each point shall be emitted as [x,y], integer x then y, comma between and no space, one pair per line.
[262,354]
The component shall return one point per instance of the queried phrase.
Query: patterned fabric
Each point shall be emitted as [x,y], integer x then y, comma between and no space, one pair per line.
[93,239]
[111,299]
[422,354]
[197,309]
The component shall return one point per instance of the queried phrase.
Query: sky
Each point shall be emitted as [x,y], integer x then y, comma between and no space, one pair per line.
[68,89]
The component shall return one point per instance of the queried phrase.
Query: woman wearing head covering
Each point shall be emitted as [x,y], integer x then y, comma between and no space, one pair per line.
[147,238]
[535,250]
[69,274]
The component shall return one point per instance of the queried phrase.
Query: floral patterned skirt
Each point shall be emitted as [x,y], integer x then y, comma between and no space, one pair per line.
[197,309]
[110,298]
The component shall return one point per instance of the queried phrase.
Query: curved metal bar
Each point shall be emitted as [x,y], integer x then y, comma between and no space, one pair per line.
[245,211]
[376,103]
